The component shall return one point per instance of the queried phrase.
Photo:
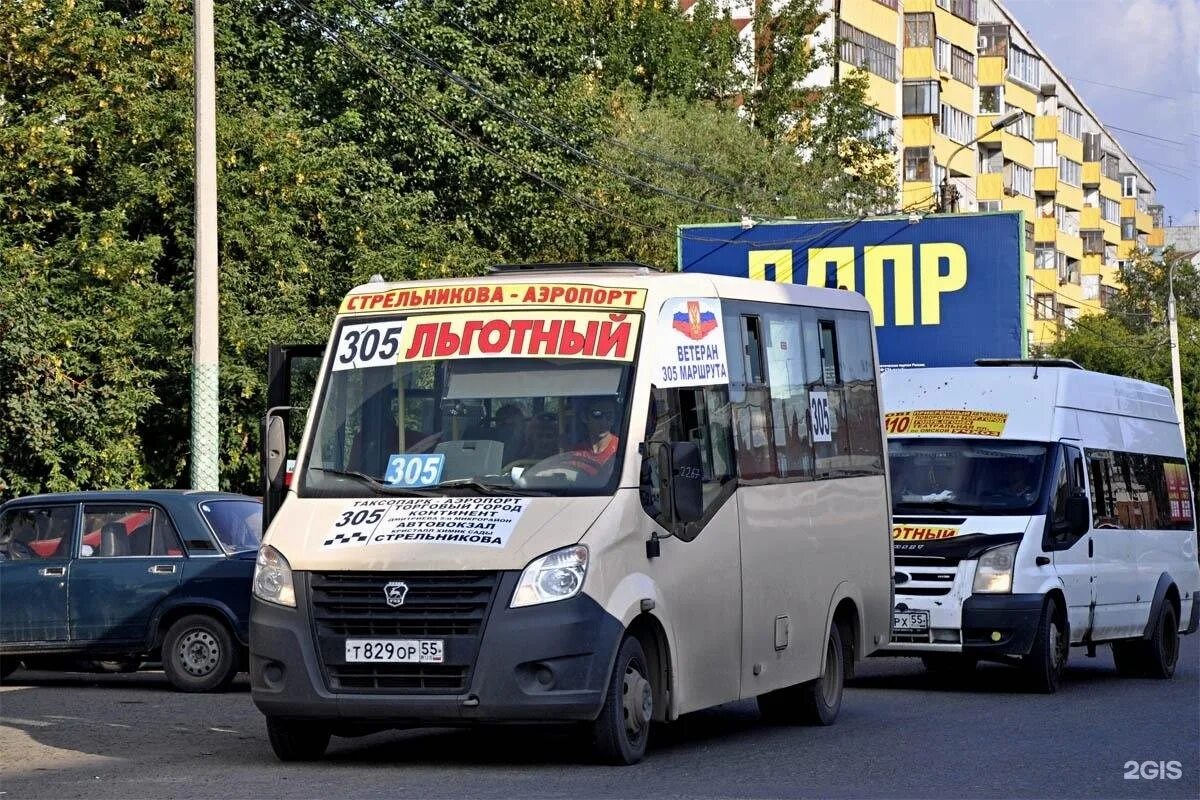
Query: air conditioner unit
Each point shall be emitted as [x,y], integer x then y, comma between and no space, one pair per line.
[1010,192]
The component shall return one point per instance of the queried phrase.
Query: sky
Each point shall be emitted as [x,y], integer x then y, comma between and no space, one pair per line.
[1147,48]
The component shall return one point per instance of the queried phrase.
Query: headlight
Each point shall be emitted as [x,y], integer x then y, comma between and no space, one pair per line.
[994,573]
[554,576]
[273,578]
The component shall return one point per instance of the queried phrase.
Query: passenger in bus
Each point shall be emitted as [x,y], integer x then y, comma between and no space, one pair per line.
[510,430]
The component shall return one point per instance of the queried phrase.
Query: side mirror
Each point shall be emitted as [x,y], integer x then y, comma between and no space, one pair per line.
[681,476]
[1079,515]
[274,451]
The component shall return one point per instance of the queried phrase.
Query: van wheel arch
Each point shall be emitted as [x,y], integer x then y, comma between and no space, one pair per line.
[653,638]
[1165,591]
[176,613]
[846,617]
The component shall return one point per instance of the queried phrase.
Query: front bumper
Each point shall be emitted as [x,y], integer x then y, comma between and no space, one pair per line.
[989,626]
[540,663]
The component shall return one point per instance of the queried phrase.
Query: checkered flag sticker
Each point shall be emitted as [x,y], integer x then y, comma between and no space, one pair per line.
[348,538]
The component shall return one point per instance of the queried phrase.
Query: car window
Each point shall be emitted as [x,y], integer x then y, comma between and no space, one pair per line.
[238,523]
[113,531]
[36,533]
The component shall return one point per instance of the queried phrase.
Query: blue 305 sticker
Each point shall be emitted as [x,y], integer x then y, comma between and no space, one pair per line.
[415,469]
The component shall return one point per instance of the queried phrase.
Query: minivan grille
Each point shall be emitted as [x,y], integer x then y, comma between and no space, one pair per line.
[928,576]
[450,606]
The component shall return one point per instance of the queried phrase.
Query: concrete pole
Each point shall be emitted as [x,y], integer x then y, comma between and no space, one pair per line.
[205,434]
[1173,328]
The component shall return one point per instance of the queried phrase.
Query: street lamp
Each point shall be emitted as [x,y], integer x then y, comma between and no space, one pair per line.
[950,196]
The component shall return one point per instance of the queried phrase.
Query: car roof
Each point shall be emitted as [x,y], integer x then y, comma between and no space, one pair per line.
[166,496]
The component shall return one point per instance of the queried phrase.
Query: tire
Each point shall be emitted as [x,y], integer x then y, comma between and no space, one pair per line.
[1161,653]
[199,654]
[297,740]
[814,702]
[8,665]
[1048,657]
[949,664]
[620,733]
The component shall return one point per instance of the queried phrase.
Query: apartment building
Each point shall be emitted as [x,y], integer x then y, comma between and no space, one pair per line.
[942,73]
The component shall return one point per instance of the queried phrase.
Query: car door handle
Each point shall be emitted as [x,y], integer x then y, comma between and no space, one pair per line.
[52,572]
[162,569]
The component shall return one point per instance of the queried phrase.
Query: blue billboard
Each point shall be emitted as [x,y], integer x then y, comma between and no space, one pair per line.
[944,289]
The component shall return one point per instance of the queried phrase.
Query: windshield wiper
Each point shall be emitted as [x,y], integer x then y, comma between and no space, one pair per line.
[490,488]
[375,483]
[949,505]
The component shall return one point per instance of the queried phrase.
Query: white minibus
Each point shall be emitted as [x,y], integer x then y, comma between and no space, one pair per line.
[591,494]
[1038,506]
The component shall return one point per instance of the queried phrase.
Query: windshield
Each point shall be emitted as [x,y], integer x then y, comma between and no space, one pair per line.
[957,476]
[509,422]
[237,523]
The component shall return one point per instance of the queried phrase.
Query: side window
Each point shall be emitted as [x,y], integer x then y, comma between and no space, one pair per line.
[830,363]
[753,427]
[1100,467]
[115,531]
[1177,511]
[789,394]
[1062,490]
[700,415]
[28,533]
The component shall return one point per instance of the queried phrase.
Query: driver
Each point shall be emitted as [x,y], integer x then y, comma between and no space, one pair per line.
[597,452]
[1016,480]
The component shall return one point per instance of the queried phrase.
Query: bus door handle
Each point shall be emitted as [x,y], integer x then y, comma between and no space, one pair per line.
[1091,547]
[52,572]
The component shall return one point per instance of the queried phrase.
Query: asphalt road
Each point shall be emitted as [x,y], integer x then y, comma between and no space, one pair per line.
[901,734]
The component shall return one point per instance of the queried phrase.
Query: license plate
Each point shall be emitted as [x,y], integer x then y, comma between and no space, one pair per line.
[395,651]
[910,621]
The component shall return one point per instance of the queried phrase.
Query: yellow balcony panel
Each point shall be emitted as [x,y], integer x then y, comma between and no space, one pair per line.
[918,195]
[983,129]
[1089,219]
[966,162]
[918,63]
[1112,232]
[1128,207]
[991,70]
[1110,188]
[1092,264]
[1157,238]
[1069,196]
[918,131]
[1144,222]
[1070,147]
[1091,173]
[1045,229]
[954,29]
[957,94]
[989,186]
[1045,333]
[1045,179]
[1125,249]
[1045,128]
[1019,202]
[1017,95]
[875,18]
[1017,149]
[1069,243]
[917,6]
[882,94]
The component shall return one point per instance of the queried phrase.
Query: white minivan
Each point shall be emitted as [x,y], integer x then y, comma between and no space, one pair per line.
[1038,506]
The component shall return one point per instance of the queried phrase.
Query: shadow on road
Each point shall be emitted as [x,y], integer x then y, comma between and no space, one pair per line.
[987,678]
[145,680]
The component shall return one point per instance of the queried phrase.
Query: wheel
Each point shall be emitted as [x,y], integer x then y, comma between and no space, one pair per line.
[1128,658]
[297,740]
[199,654]
[117,666]
[620,733]
[1161,653]
[1048,657]
[949,664]
[814,702]
[8,665]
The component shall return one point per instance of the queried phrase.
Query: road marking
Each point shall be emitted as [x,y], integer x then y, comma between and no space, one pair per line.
[33,723]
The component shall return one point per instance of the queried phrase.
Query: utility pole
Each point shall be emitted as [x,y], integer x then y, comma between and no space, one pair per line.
[205,366]
[1173,328]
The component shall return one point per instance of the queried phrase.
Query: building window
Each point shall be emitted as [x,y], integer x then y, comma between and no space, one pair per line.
[1043,257]
[889,3]
[1110,255]
[991,160]
[881,125]
[1091,287]
[921,98]
[1046,154]
[918,164]
[989,205]
[1093,242]
[1030,230]
[919,30]
[1091,197]
[1091,147]
[1070,172]
[1023,66]
[958,126]
[1128,229]
[993,39]
[1068,220]
[866,51]
[1070,314]
[1070,122]
[1108,294]
[1156,215]
[991,99]
[1018,179]
[1043,306]
[1110,210]
[1129,186]
[964,9]
[941,55]
[1110,166]
[962,66]
[1023,127]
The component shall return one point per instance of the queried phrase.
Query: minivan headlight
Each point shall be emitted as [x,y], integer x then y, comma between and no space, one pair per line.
[994,573]
[273,578]
[554,576]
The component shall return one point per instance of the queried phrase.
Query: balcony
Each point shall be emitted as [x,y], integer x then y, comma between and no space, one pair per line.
[989,186]
[1089,219]
[1045,180]
[1091,173]
[1045,128]
[1157,237]
[1045,229]
[1145,222]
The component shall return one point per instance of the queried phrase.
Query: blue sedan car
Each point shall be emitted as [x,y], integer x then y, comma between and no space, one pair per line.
[118,578]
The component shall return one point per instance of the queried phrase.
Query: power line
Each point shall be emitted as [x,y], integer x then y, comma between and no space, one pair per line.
[1122,88]
[1146,135]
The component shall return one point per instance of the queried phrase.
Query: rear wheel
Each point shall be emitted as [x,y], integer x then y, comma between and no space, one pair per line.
[1048,657]
[297,740]
[814,702]
[1155,657]
[199,654]
[620,733]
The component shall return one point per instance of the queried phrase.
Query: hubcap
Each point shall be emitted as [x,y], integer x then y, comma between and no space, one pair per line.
[637,701]
[198,652]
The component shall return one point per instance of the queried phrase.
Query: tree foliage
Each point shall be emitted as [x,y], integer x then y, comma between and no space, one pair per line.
[413,140]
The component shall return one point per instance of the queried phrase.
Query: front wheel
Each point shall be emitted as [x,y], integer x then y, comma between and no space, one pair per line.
[1047,658]
[199,654]
[297,740]
[620,733]
[814,702]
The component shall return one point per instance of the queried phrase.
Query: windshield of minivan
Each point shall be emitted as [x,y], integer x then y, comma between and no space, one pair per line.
[957,476]
[500,423]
